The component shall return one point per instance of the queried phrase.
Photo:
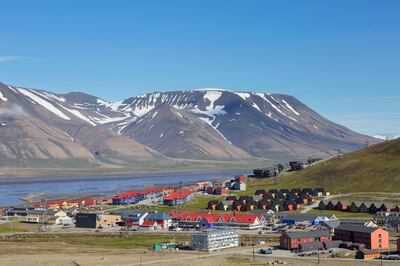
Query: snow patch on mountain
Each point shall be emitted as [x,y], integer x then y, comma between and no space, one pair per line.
[79,115]
[243,95]
[386,137]
[2,97]
[262,95]
[11,88]
[212,96]
[43,103]
[290,107]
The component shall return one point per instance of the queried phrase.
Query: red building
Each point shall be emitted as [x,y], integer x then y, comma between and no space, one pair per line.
[178,197]
[292,240]
[371,237]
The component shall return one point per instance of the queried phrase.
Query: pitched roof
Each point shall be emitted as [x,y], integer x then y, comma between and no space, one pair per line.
[332,224]
[157,216]
[308,234]
[304,216]
[178,194]
[356,228]
[149,223]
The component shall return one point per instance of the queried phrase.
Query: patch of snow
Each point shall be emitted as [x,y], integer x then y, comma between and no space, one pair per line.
[237,113]
[212,96]
[274,106]
[50,96]
[79,115]
[2,97]
[209,122]
[180,132]
[162,134]
[11,88]
[179,114]
[381,137]
[256,107]
[68,135]
[314,126]
[3,124]
[243,95]
[43,103]
[290,107]
[154,115]
[107,120]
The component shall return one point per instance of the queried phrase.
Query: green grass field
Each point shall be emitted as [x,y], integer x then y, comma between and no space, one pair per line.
[199,202]
[16,227]
[137,241]
[373,169]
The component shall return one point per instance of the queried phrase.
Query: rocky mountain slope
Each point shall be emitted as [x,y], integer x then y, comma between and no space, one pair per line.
[195,124]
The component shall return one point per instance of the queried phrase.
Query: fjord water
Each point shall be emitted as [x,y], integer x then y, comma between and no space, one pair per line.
[13,190]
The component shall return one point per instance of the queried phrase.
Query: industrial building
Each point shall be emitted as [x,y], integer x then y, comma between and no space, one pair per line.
[211,240]
[371,237]
[294,240]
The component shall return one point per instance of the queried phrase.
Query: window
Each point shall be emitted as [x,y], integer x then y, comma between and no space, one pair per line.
[380,235]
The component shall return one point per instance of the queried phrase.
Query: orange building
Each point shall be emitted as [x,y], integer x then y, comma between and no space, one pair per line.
[368,254]
[371,237]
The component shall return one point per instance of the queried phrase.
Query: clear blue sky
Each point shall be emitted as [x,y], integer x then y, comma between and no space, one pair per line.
[342,58]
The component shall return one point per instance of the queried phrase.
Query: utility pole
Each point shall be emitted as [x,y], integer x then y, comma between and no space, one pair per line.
[318,256]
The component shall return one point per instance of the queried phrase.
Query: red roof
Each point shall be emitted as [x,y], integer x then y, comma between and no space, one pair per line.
[130,194]
[148,223]
[179,194]
[241,178]
[213,217]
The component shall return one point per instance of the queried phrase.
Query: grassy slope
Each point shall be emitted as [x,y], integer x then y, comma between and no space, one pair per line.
[16,227]
[110,242]
[374,169]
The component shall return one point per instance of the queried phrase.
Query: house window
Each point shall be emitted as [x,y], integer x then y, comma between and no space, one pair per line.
[380,235]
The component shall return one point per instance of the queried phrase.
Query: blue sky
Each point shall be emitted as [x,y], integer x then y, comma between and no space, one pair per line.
[341,58]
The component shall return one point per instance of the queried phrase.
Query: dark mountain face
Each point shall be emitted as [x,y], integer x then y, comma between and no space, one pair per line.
[197,124]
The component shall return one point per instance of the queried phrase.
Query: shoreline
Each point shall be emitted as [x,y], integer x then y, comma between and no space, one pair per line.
[12,173]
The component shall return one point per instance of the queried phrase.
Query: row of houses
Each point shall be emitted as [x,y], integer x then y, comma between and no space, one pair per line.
[132,197]
[357,207]
[283,193]
[70,204]
[388,220]
[282,200]
[344,234]
[201,219]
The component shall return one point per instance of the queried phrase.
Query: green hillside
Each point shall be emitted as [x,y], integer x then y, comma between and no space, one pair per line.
[376,168]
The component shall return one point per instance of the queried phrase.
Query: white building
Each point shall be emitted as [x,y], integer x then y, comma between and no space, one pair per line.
[211,240]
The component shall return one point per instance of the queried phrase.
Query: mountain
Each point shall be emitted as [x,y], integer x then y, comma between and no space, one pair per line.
[207,124]
[382,137]
[372,169]
[274,126]
[39,128]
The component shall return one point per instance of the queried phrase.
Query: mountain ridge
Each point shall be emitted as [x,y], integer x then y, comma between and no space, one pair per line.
[194,124]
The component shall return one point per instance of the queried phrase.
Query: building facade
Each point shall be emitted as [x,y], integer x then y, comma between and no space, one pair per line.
[371,237]
[212,240]
[293,240]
